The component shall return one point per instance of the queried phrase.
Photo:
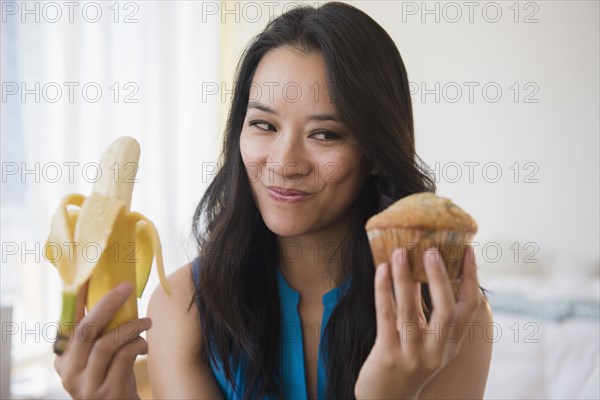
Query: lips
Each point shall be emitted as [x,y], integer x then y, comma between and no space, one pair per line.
[287,192]
[287,195]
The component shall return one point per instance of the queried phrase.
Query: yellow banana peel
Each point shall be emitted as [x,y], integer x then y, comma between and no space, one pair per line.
[98,239]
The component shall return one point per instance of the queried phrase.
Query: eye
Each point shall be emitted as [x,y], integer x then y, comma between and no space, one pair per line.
[262,125]
[326,136]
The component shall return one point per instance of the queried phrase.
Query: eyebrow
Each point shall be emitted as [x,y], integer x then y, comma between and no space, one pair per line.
[316,117]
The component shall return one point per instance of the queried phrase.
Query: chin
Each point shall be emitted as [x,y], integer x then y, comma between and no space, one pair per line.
[284,227]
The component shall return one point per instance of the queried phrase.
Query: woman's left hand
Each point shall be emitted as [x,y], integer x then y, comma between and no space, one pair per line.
[408,352]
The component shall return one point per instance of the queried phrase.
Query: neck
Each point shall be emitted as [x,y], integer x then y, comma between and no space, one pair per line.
[311,264]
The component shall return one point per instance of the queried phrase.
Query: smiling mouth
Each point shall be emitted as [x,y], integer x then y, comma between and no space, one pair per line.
[287,195]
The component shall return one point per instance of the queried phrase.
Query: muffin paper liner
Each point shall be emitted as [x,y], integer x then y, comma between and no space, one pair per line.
[450,244]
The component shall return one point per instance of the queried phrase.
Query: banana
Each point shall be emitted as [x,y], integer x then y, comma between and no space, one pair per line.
[98,239]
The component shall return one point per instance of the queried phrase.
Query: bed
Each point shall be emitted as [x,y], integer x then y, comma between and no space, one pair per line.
[546,331]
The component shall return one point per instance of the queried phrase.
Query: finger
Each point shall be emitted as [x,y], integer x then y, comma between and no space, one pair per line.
[110,344]
[407,315]
[121,367]
[418,299]
[440,289]
[384,307]
[470,295]
[91,326]
[404,289]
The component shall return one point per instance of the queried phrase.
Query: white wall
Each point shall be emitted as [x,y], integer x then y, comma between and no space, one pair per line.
[558,55]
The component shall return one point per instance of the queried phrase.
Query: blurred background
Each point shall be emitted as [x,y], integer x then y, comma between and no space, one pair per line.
[506,107]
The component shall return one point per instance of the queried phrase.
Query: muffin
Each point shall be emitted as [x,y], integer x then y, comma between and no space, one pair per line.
[418,222]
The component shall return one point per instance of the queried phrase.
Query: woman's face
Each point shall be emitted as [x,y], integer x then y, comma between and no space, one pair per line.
[304,166]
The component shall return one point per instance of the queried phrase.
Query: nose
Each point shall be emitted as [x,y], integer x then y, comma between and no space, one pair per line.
[288,158]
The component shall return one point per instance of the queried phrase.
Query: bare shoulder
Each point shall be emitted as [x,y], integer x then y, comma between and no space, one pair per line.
[182,290]
[484,313]
[174,309]
[174,342]
[465,377]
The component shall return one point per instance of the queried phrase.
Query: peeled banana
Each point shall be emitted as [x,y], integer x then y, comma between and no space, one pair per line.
[98,239]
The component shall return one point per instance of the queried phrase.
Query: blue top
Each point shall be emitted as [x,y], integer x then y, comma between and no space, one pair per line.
[291,362]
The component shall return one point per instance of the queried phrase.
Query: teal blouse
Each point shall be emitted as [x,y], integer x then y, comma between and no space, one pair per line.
[291,361]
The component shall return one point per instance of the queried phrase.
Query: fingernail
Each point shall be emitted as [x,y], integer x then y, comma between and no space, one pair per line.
[124,288]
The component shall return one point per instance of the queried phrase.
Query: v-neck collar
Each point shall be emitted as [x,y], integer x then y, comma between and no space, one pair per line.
[292,339]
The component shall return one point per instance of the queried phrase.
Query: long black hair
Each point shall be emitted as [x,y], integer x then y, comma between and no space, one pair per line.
[236,294]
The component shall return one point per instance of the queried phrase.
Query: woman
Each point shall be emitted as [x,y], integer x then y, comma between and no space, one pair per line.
[283,300]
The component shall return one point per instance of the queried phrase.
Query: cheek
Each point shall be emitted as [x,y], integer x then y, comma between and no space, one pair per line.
[347,169]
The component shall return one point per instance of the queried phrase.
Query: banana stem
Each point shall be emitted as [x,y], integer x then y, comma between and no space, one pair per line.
[66,324]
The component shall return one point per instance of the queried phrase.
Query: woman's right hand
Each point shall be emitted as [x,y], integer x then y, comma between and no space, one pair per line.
[101,367]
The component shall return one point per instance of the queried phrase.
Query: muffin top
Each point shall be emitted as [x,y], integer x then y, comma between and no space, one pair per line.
[423,211]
